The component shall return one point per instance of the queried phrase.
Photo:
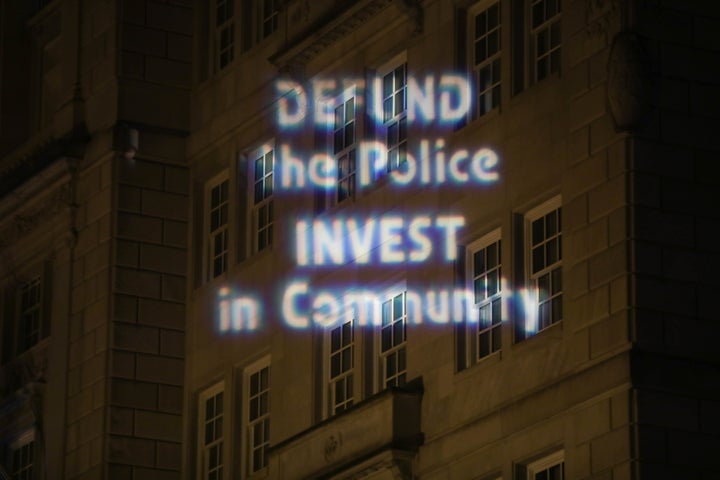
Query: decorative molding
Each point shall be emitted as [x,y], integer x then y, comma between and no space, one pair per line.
[630,84]
[24,223]
[600,14]
[332,446]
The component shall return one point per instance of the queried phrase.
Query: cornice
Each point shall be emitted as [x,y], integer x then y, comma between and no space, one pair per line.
[297,54]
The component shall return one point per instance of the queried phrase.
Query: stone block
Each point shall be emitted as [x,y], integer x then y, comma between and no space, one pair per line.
[179,47]
[575,213]
[617,226]
[138,227]
[153,368]
[123,364]
[607,197]
[169,455]
[127,253]
[610,449]
[92,370]
[609,334]
[170,17]
[587,107]
[131,451]
[133,11]
[158,426]
[174,233]
[585,242]
[163,259]
[99,205]
[119,472]
[141,173]
[696,449]
[129,198]
[170,399]
[136,338]
[602,133]
[126,308]
[96,260]
[576,280]
[578,145]
[620,409]
[588,308]
[171,72]
[653,408]
[591,422]
[162,314]
[95,315]
[710,417]
[172,343]
[132,65]
[173,288]
[87,239]
[91,425]
[133,394]
[140,39]
[577,81]
[619,294]
[166,205]
[134,282]
[88,184]
[608,265]
[176,180]
[585,175]
[148,474]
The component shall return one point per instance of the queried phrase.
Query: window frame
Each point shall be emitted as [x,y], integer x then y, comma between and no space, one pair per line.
[397,350]
[203,453]
[534,31]
[383,124]
[474,326]
[37,310]
[353,372]
[226,27]
[264,204]
[25,439]
[532,278]
[224,228]
[248,422]
[493,61]
[545,463]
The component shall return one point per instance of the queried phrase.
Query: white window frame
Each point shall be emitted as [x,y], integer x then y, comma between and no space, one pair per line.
[263,19]
[397,350]
[223,28]
[492,61]
[250,421]
[550,26]
[205,449]
[348,377]
[223,229]
[534,322]
[478,329]
[29,470]
[262,208]
[545,463]
[394,161]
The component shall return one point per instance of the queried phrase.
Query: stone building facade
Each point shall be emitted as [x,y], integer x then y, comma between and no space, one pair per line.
[282,239]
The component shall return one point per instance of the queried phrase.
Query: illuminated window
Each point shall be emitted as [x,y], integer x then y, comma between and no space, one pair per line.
[393,367]
[344,148]
[262,188]
[224,33]
[258,415]
[217,240]
[485,34]
[22,464]
[551,467]
[545,37]
[30,314]
[394,115]
[341,363]
[211,433]
[544,297]
[485,276]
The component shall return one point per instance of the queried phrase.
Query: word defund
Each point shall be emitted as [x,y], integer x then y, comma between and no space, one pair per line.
[387,239]
[453,99]
[427,167]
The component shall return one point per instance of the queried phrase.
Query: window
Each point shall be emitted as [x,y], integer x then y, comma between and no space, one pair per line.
[268,14]
[262,188]
[258,415]
[344,148]
[211,433]
[545,37]
[393,368]
[22,463]
[394,114]
[544,302]
[485,34]
[551,467]
[224,33]
[485,276]
[341,363]
[217,240]
[30,314]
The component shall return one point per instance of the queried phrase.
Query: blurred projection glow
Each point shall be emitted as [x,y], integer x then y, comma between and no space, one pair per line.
[238,313]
